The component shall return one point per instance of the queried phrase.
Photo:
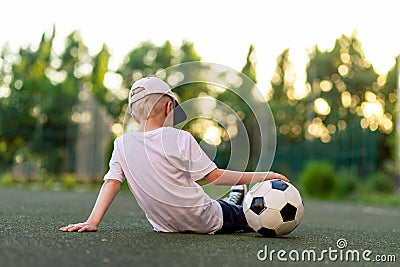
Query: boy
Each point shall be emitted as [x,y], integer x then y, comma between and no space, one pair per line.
[162,164]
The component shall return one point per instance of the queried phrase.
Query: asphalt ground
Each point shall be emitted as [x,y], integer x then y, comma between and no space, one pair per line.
[30,220]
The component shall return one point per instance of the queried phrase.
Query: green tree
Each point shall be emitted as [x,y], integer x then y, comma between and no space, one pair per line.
[148,59]
[100,68]
[249,69]
[388,93]
[74,65]
[38,112]
[145,60]
[241,98]
[341,80]
[289,110]
[188,53]
[245,88]
[9,143]
[113,103]
[30,89]
[344,95]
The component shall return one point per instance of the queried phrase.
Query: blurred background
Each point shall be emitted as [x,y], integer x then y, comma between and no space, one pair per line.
[328,70]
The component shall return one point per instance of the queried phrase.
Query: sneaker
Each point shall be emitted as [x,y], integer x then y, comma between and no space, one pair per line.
[237,193]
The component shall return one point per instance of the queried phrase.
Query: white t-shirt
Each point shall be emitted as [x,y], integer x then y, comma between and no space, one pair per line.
[161,167]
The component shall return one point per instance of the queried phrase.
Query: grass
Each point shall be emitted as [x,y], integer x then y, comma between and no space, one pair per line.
[30,219]
[380,198]
[69,182]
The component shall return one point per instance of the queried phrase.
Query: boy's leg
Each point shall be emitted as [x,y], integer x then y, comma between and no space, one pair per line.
[232,210]
[234,219]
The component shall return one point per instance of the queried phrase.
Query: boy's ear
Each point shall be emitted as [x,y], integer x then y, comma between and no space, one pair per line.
[135,119]
[169,107]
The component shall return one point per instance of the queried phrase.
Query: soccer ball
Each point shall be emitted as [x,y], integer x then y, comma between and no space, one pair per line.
[273,208]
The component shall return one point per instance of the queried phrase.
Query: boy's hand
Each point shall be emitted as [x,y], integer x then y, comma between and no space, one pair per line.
[274,175]
[107,193]
[79,227]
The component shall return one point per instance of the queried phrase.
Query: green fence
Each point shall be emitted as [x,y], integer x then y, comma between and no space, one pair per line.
[352,148]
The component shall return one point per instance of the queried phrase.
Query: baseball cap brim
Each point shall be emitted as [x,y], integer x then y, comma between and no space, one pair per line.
[179,114]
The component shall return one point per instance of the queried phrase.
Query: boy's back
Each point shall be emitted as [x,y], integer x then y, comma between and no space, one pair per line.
[161,167]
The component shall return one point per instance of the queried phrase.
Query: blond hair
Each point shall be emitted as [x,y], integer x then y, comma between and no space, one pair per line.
[149,105]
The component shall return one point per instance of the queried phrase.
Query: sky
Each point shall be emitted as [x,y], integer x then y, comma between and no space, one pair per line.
[221,30]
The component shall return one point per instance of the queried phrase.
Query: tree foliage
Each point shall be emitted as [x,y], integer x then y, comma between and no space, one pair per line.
[342,87]
[40,91]
[35,114]
[290,111]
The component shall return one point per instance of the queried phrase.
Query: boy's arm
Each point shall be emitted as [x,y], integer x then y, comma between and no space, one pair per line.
[108,191]
[227,177]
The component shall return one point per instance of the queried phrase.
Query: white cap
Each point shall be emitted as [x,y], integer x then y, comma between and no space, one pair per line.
[153,85]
